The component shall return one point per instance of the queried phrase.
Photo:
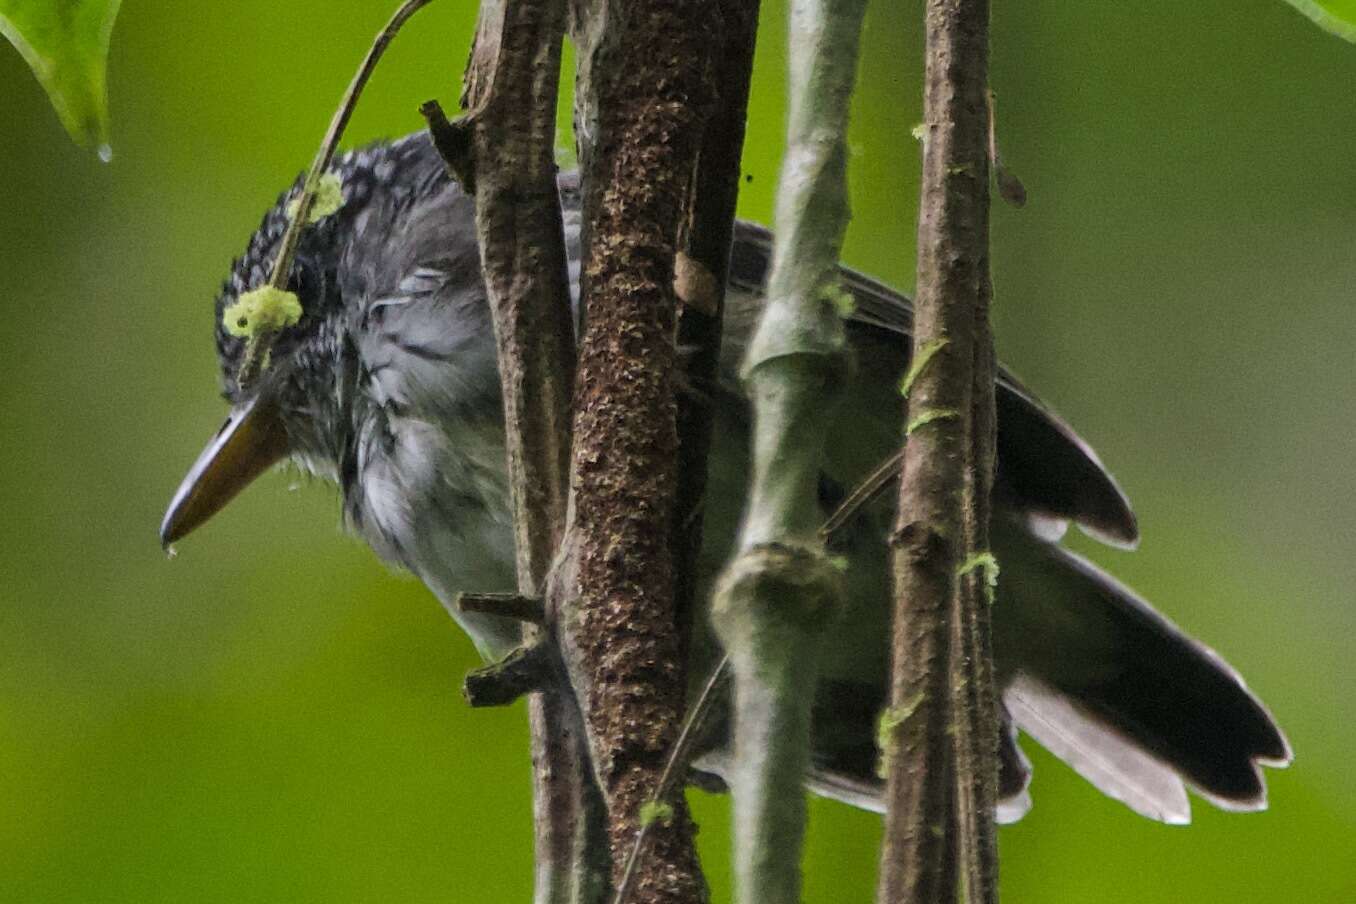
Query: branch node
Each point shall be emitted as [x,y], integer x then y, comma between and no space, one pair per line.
[454,142]
[529,609]
[524,670]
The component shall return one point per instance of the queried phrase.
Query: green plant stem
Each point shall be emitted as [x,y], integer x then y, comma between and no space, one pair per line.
[776,597]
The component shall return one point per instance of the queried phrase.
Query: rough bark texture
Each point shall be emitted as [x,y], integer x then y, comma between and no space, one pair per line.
[777,596]
[511,88]
[708,232]
[940,747]
[646,76]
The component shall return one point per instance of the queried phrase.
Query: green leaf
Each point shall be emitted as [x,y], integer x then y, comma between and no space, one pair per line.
[1336,16]
[66,45]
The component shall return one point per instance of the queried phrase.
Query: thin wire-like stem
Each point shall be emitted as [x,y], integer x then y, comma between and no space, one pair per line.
[870,487]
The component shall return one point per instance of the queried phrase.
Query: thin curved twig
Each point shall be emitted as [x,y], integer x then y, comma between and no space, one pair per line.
[256,353]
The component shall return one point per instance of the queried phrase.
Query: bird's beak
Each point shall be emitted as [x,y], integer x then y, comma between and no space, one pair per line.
[252,439]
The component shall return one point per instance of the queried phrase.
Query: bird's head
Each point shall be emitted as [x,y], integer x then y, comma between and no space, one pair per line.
[293,408]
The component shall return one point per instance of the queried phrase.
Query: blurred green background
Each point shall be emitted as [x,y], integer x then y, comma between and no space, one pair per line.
[275,717]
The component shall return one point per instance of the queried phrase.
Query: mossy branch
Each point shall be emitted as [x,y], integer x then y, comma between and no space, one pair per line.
[939,737]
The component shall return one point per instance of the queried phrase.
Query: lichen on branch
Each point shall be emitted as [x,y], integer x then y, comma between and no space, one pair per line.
[327,198]
[262,310]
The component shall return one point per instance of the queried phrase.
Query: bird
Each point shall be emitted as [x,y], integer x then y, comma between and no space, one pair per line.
[388,387]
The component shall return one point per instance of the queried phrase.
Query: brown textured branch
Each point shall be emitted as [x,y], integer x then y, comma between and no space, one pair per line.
[506,605]
[524,670]
[676,770]
[511,86]
[454,141]
[699,281]
[940,729]
[510,93]
[645,89]
[973,670]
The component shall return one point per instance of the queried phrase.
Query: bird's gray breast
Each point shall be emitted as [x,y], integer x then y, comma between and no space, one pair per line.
[431,496]
[424,477]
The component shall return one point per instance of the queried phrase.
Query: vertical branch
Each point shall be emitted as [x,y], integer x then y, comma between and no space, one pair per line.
[940,741]
[511,85]
[645,91]
[973,669]
[701,292]
[776,597]
[511,97]
[710,229]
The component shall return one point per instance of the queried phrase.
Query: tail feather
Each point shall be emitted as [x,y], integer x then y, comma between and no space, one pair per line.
[1113,764]
[1123,695]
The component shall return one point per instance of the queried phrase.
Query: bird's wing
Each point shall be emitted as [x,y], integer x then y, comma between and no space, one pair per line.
[416,298]
[1046,471]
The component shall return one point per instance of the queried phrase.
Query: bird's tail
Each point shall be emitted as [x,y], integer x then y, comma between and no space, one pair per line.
[1124,696]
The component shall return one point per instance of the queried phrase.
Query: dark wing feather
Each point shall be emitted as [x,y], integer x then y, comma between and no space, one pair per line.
[1045,470]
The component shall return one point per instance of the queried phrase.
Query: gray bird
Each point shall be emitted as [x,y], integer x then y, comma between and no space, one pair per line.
[388,386]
